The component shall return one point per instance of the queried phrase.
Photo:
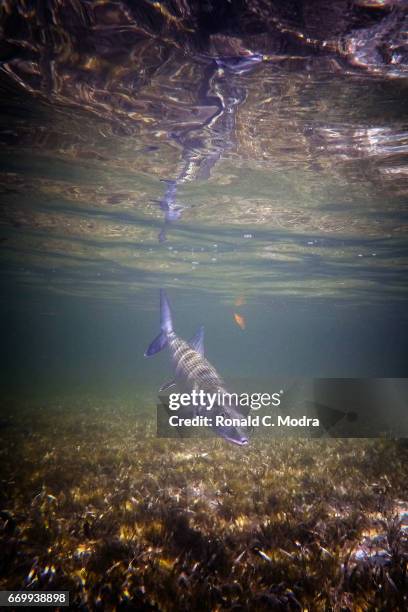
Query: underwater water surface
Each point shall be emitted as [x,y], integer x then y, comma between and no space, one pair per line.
[267,193]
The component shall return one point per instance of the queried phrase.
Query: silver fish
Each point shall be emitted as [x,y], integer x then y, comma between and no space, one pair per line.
[194,372]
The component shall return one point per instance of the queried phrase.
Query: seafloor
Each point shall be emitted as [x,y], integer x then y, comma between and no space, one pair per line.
[92,502]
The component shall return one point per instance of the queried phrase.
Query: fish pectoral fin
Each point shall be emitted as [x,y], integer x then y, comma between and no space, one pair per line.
[168,385]
[197,341]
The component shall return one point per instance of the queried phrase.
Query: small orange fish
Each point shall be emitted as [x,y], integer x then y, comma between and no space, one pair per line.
[240,301]
[240,320]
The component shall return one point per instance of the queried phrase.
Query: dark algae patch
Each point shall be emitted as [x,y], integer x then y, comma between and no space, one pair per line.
[92,502]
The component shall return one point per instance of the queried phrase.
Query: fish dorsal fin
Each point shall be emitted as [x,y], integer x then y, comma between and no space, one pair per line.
[197,341]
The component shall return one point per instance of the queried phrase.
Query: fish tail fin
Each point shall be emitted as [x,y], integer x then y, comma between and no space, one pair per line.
[166,322]
[166,327]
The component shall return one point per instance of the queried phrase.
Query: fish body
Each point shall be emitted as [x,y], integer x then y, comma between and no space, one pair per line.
[193,371]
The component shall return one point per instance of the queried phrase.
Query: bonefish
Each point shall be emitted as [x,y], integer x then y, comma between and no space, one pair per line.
[193,372]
